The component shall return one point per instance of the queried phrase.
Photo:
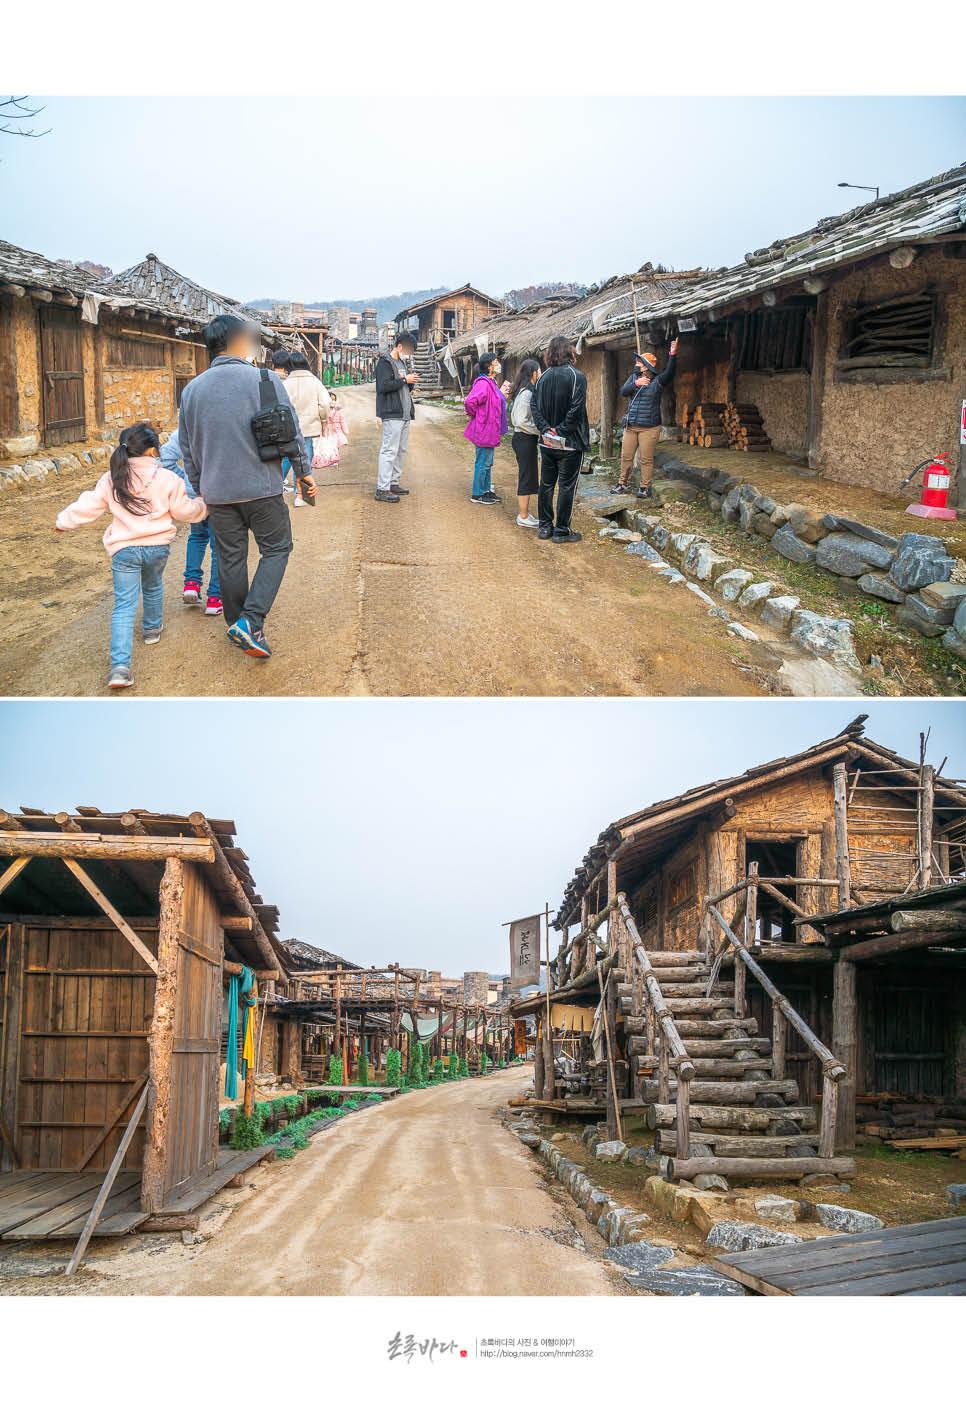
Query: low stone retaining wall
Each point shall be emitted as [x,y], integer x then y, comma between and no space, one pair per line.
[912,572]
[35,469]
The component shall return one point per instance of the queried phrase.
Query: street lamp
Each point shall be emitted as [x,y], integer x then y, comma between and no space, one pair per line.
[847,185]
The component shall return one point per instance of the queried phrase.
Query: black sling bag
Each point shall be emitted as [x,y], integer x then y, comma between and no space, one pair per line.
[275,426]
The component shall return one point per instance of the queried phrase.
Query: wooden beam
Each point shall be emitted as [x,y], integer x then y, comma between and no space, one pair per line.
[844,1045]
[102,845]
[136,1089]
[88,883]
[107,1185]
[842,868]
[223,868]
[12,872]
[891,944]
[161,1036]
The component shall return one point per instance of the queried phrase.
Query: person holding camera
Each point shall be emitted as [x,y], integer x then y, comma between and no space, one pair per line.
[559,409]
[394,406]
[239,475]
[642,423]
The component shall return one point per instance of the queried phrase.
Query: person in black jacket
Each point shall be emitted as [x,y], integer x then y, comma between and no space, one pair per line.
[394,406]
[559,409]
[642,425]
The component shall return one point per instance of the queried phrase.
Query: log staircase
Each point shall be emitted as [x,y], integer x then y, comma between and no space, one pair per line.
[715,1091]
[426,367]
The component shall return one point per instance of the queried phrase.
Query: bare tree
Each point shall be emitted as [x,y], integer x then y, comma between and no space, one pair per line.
[18,109]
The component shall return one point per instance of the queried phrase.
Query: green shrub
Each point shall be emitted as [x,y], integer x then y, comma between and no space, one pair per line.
[335,1070]
[484,1063]
[362,1070]
[393,1066]
[247,1131]
[464,1068]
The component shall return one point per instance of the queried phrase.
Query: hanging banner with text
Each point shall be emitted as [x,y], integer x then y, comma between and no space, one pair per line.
[525,951]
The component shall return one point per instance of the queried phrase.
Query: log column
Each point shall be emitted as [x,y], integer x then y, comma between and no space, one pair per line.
[608,396]
[292,1051]
[161,1036]
[844,1040]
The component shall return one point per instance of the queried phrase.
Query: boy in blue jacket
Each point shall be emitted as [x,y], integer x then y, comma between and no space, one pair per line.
[199,538]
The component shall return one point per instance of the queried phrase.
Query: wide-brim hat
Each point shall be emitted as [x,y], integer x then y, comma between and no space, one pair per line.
[648,360]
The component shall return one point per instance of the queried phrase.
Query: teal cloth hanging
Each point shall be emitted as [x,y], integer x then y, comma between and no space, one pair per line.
[231,1070]
[249,995]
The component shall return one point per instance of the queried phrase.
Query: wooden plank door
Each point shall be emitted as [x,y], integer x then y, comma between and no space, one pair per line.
[62,369]
[196,1047]
[11,1012]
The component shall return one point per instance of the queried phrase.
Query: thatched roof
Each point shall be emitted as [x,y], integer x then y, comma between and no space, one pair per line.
[179,295]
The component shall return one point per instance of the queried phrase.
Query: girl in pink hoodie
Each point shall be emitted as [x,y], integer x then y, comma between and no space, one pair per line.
[145,501]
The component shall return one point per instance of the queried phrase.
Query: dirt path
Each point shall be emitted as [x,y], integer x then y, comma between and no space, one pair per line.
[426,1196]
[433,596]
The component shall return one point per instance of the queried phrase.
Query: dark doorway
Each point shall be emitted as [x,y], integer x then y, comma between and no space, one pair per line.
[62,365]
[774,859]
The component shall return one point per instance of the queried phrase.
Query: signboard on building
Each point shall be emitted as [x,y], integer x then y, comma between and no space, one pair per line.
[525,951]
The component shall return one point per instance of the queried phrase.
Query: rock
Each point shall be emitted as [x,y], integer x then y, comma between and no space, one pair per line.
[779,516]
[730,506]
[959,618]
[710,1182]
[19,447]
[825,637]
[588,1133]
[736,1236]
[807,525]
[645,551]
[821,1181]
[641,1154]
[843,553]
[609,506]
[625,535]
[672,576]
[763,525]
[740,631]
[659,536]
[696,589]
[956,1194]
[912,619]
[714,501]
[639,1256]
[608,531]
[858,528]
[732,582]
[664,492]
[766,505]
[527,1137]
[686,1281]
[633,1228]
[882,587]
[610,1150]
[681,541]
[746,515]
[597,1203]
[787,544]
[774,1208]
[751,599]
[947,594]
[779,610]
[703,561]
[932,615]
[920,561]
[850,1220]
[955,642]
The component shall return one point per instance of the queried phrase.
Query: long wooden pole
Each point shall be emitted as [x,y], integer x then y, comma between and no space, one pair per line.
[842,869]
[550,1087]
[611,1068]
[108,1184]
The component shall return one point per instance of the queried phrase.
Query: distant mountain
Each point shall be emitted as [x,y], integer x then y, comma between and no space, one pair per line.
[387,307]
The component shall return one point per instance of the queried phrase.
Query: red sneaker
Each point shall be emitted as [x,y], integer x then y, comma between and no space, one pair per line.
[213,604]
[192,595]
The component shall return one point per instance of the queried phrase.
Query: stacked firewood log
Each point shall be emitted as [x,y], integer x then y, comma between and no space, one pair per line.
[930,1123]
[745,428]
[729,425]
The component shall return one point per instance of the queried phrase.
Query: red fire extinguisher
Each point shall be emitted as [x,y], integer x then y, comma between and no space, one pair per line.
[935,487]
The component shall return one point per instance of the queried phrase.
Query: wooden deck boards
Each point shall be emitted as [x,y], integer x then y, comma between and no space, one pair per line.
[917,1259]
[190,1195]
[53,1203]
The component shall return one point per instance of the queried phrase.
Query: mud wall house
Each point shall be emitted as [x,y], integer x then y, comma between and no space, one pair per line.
[448,314]
[833,833]
[118,933]
[850,338]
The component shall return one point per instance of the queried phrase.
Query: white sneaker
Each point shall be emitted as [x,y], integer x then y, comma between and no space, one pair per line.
[298,501]
[528,520]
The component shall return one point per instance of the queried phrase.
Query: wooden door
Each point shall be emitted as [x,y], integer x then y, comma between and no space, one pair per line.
[192,1137]
[11,1012]
[62,369]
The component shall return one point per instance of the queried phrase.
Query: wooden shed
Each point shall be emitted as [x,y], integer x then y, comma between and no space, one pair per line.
[117,932]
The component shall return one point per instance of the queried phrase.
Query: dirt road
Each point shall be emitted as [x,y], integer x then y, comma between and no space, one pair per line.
[426,1196]
[433,596]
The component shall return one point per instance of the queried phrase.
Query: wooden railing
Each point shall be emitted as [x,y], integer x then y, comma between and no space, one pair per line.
[662,1033]
[783,1013]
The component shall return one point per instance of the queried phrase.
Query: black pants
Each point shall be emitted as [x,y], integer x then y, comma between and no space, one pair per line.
[558,470]
[525,447]
[268,520]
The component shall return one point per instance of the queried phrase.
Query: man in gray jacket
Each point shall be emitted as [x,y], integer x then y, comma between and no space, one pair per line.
[243,492]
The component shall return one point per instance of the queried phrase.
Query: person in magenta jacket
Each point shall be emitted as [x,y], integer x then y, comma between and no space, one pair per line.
[486,406]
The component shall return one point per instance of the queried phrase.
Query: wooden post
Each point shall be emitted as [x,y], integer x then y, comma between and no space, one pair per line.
[844,1045]
[663,1074]
[337,1043]
[607,996]
[108,1184]
[751,906]
[548,1070]
[161,1036]
[538,1073]
[779,1040]
[292,1050]
[926,794]
[608,396]
[10,1043]
[842,870]
[827,1131]
[682,1120]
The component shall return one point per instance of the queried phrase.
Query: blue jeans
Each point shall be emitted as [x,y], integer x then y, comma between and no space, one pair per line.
[481,471]
[137,570]
[198,539]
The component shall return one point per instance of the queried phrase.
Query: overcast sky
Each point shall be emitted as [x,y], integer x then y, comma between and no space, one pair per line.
[314,199]
[410,830]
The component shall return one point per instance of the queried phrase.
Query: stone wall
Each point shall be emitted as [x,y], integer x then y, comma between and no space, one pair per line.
[476,986]
[783,401]
[875,432]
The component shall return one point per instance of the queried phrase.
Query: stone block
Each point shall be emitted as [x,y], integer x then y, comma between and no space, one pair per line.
[776,1209]
[610,1150]
[955,642]
[730,584]
[932,615]
[956,1195]
[807,525]
[751,599]
[920,561]
[597,1203]
[849,1220]
[763,525]
[736,1236]
[741,632]
[624,535]
[944,594]
[846,554]
[825,637]
[681,541]
[645,551]
[788,544]
[659,536]
[779,610]
[881,586]
[914,620]
[746,515]
[858,528]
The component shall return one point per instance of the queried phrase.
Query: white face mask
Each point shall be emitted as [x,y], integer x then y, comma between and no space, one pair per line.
[498,369]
